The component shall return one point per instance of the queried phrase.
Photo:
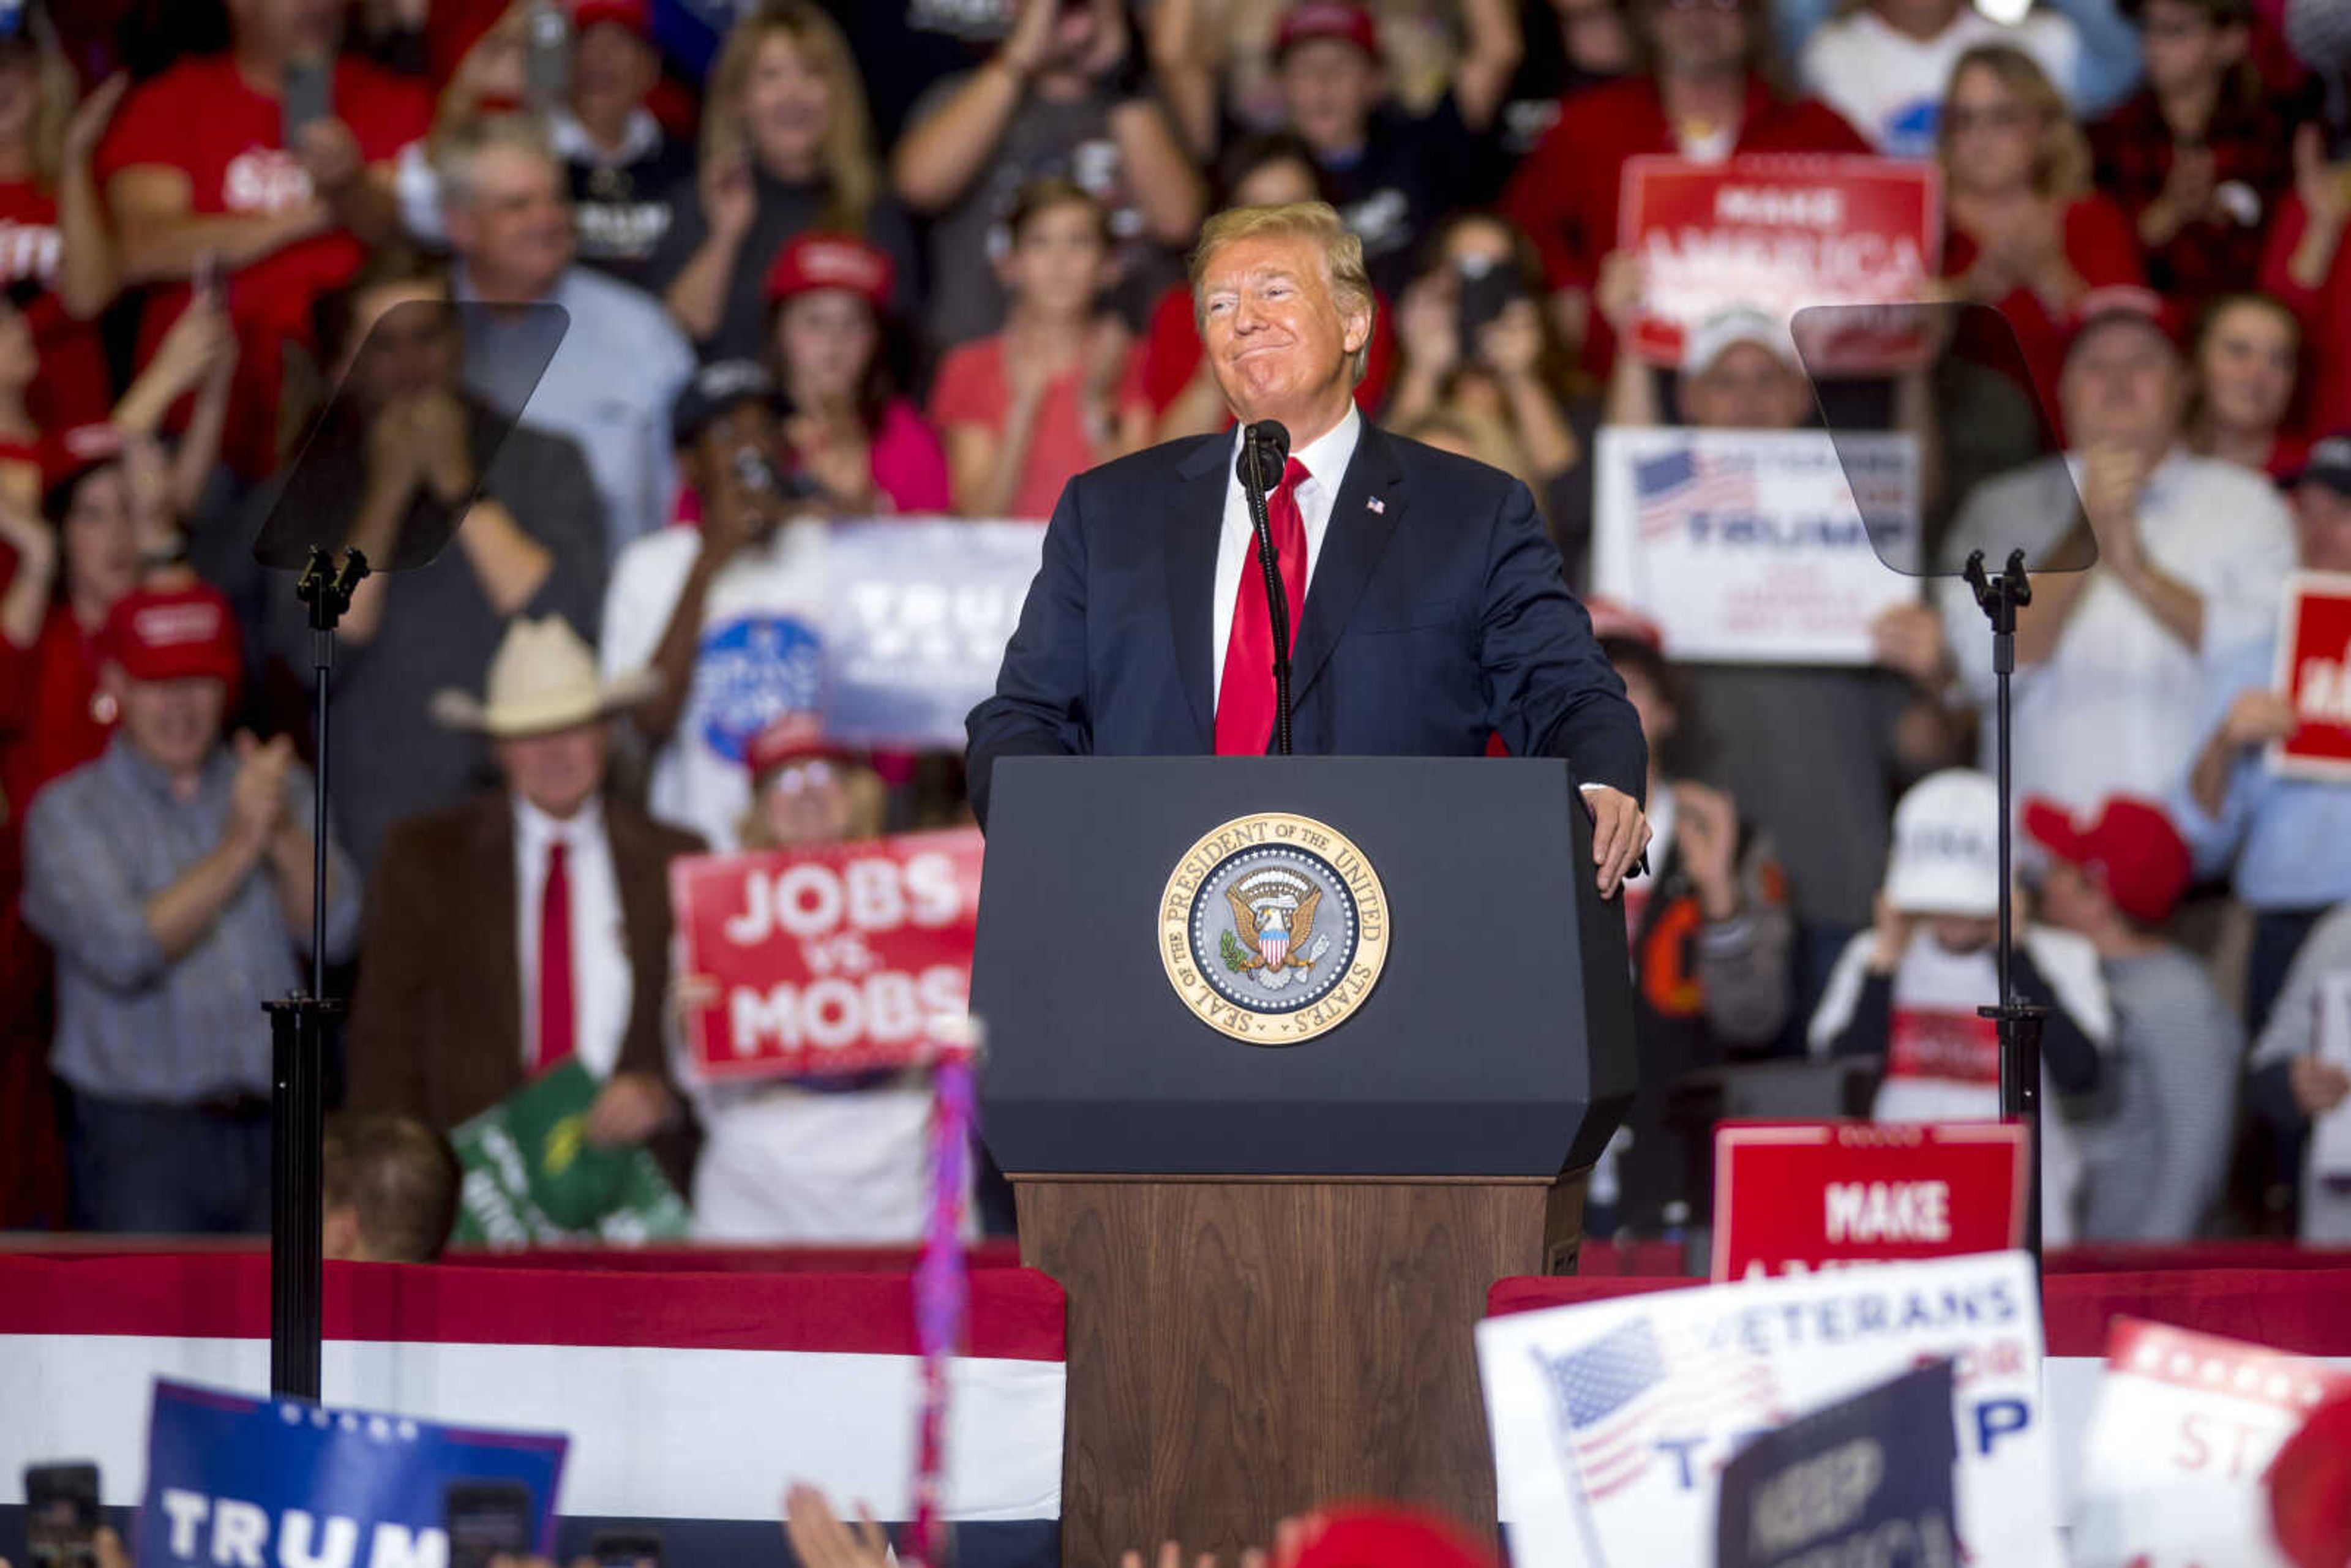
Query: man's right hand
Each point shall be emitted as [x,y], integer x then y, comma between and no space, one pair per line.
[2256,718]
[257,798]
[2319,1085]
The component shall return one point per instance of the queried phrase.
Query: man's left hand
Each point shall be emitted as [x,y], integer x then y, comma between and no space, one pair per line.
[1619,834]
[630,1109]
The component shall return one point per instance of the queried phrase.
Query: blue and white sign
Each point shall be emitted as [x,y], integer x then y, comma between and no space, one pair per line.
[1749,546]
[920,613]
[238,1482]
[1613,1420]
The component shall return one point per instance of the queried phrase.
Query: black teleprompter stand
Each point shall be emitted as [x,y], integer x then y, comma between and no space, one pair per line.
[301,1029]
[2018,1023]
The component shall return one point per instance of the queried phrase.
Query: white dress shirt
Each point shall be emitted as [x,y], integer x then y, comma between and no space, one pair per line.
[2114,709]
[603,986]
[1326,458]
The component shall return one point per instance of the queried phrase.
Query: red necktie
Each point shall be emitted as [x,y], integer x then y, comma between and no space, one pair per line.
[1245,700]
[555,1021]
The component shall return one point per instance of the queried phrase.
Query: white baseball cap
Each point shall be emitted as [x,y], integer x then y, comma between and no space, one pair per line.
[1945,856]
[1730,326]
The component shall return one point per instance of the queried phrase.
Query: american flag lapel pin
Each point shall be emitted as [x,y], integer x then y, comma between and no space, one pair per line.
[1376,504]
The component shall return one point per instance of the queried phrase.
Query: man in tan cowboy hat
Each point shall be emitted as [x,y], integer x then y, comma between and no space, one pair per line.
[528,926]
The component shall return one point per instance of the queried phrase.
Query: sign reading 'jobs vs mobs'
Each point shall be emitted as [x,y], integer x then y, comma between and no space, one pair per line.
[835,959]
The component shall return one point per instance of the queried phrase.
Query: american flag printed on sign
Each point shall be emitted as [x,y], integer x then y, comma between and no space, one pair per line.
[1625,1391]
[1670,487]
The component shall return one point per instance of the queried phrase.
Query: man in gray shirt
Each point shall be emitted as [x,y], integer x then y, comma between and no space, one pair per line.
[173,877]
[2155,1135]
[400,449]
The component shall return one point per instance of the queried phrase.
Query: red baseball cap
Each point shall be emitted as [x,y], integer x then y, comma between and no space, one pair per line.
[789,738]
[2310,1488]
[636,16]
[1340,19]
[815,261]
[173,633]
[2131,850]
[2121,302]
[1383,1535]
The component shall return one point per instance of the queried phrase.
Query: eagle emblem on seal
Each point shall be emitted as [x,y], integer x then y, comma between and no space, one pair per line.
[1274,921]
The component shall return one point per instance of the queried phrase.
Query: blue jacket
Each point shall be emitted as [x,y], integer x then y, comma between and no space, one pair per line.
[1434,621]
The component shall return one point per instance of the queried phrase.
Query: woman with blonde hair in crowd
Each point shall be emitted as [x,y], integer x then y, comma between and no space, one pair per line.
[2247,360]
[2027,233]
[787,147]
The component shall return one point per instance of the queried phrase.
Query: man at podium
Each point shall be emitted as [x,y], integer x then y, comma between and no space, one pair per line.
[1428,611]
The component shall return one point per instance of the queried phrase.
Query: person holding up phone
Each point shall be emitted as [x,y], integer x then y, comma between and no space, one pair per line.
[274,156]
[1477,349]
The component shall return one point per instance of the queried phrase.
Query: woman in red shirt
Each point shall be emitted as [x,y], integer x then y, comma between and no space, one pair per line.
[852,433]
[1061,388]
[2026,232]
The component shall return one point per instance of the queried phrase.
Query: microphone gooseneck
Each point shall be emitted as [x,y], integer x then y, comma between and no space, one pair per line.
[1265,452]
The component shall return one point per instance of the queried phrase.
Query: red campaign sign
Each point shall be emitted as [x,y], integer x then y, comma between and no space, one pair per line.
[1793,1197]
[2314,671]
[1781,233]
[801,962]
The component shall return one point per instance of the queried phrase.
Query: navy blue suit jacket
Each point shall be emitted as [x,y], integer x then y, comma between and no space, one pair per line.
[1436,618]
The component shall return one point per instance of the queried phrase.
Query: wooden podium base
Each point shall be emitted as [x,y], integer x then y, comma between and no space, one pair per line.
[1242,1349]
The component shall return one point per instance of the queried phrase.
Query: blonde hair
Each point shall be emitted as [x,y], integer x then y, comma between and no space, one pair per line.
[2062,166]
[852,179]
[1317,222]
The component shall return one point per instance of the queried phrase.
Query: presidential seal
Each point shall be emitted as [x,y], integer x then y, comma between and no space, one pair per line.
[1273,928]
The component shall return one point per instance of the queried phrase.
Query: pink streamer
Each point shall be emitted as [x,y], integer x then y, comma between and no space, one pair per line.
[941,1286]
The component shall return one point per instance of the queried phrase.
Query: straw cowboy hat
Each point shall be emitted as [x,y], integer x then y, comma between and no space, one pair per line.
[544,678]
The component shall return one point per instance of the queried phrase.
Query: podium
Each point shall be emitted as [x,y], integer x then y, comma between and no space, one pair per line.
[1290,1059]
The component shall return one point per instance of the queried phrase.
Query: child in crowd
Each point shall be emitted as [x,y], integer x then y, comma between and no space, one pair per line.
[1058,390]
[1908,991]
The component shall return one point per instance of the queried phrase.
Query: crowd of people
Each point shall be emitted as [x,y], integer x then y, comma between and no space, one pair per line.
[295,266]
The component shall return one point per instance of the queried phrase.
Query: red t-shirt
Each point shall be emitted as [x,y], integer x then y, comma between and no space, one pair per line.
[1566,192]
[1172,352]
[970,389]
[73,387]
[2325,313]
[204,119]
[2101,248]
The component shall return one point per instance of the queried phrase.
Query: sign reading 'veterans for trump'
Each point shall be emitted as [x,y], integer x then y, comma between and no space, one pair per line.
[804,963]
[2313,670]
[1791,1197]
[1779,234]
[1613,1420]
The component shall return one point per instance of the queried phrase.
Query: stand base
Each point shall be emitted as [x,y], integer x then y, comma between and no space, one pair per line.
[1243,1349]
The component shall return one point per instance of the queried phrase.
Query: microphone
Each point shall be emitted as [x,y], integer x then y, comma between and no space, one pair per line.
[1265,452]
